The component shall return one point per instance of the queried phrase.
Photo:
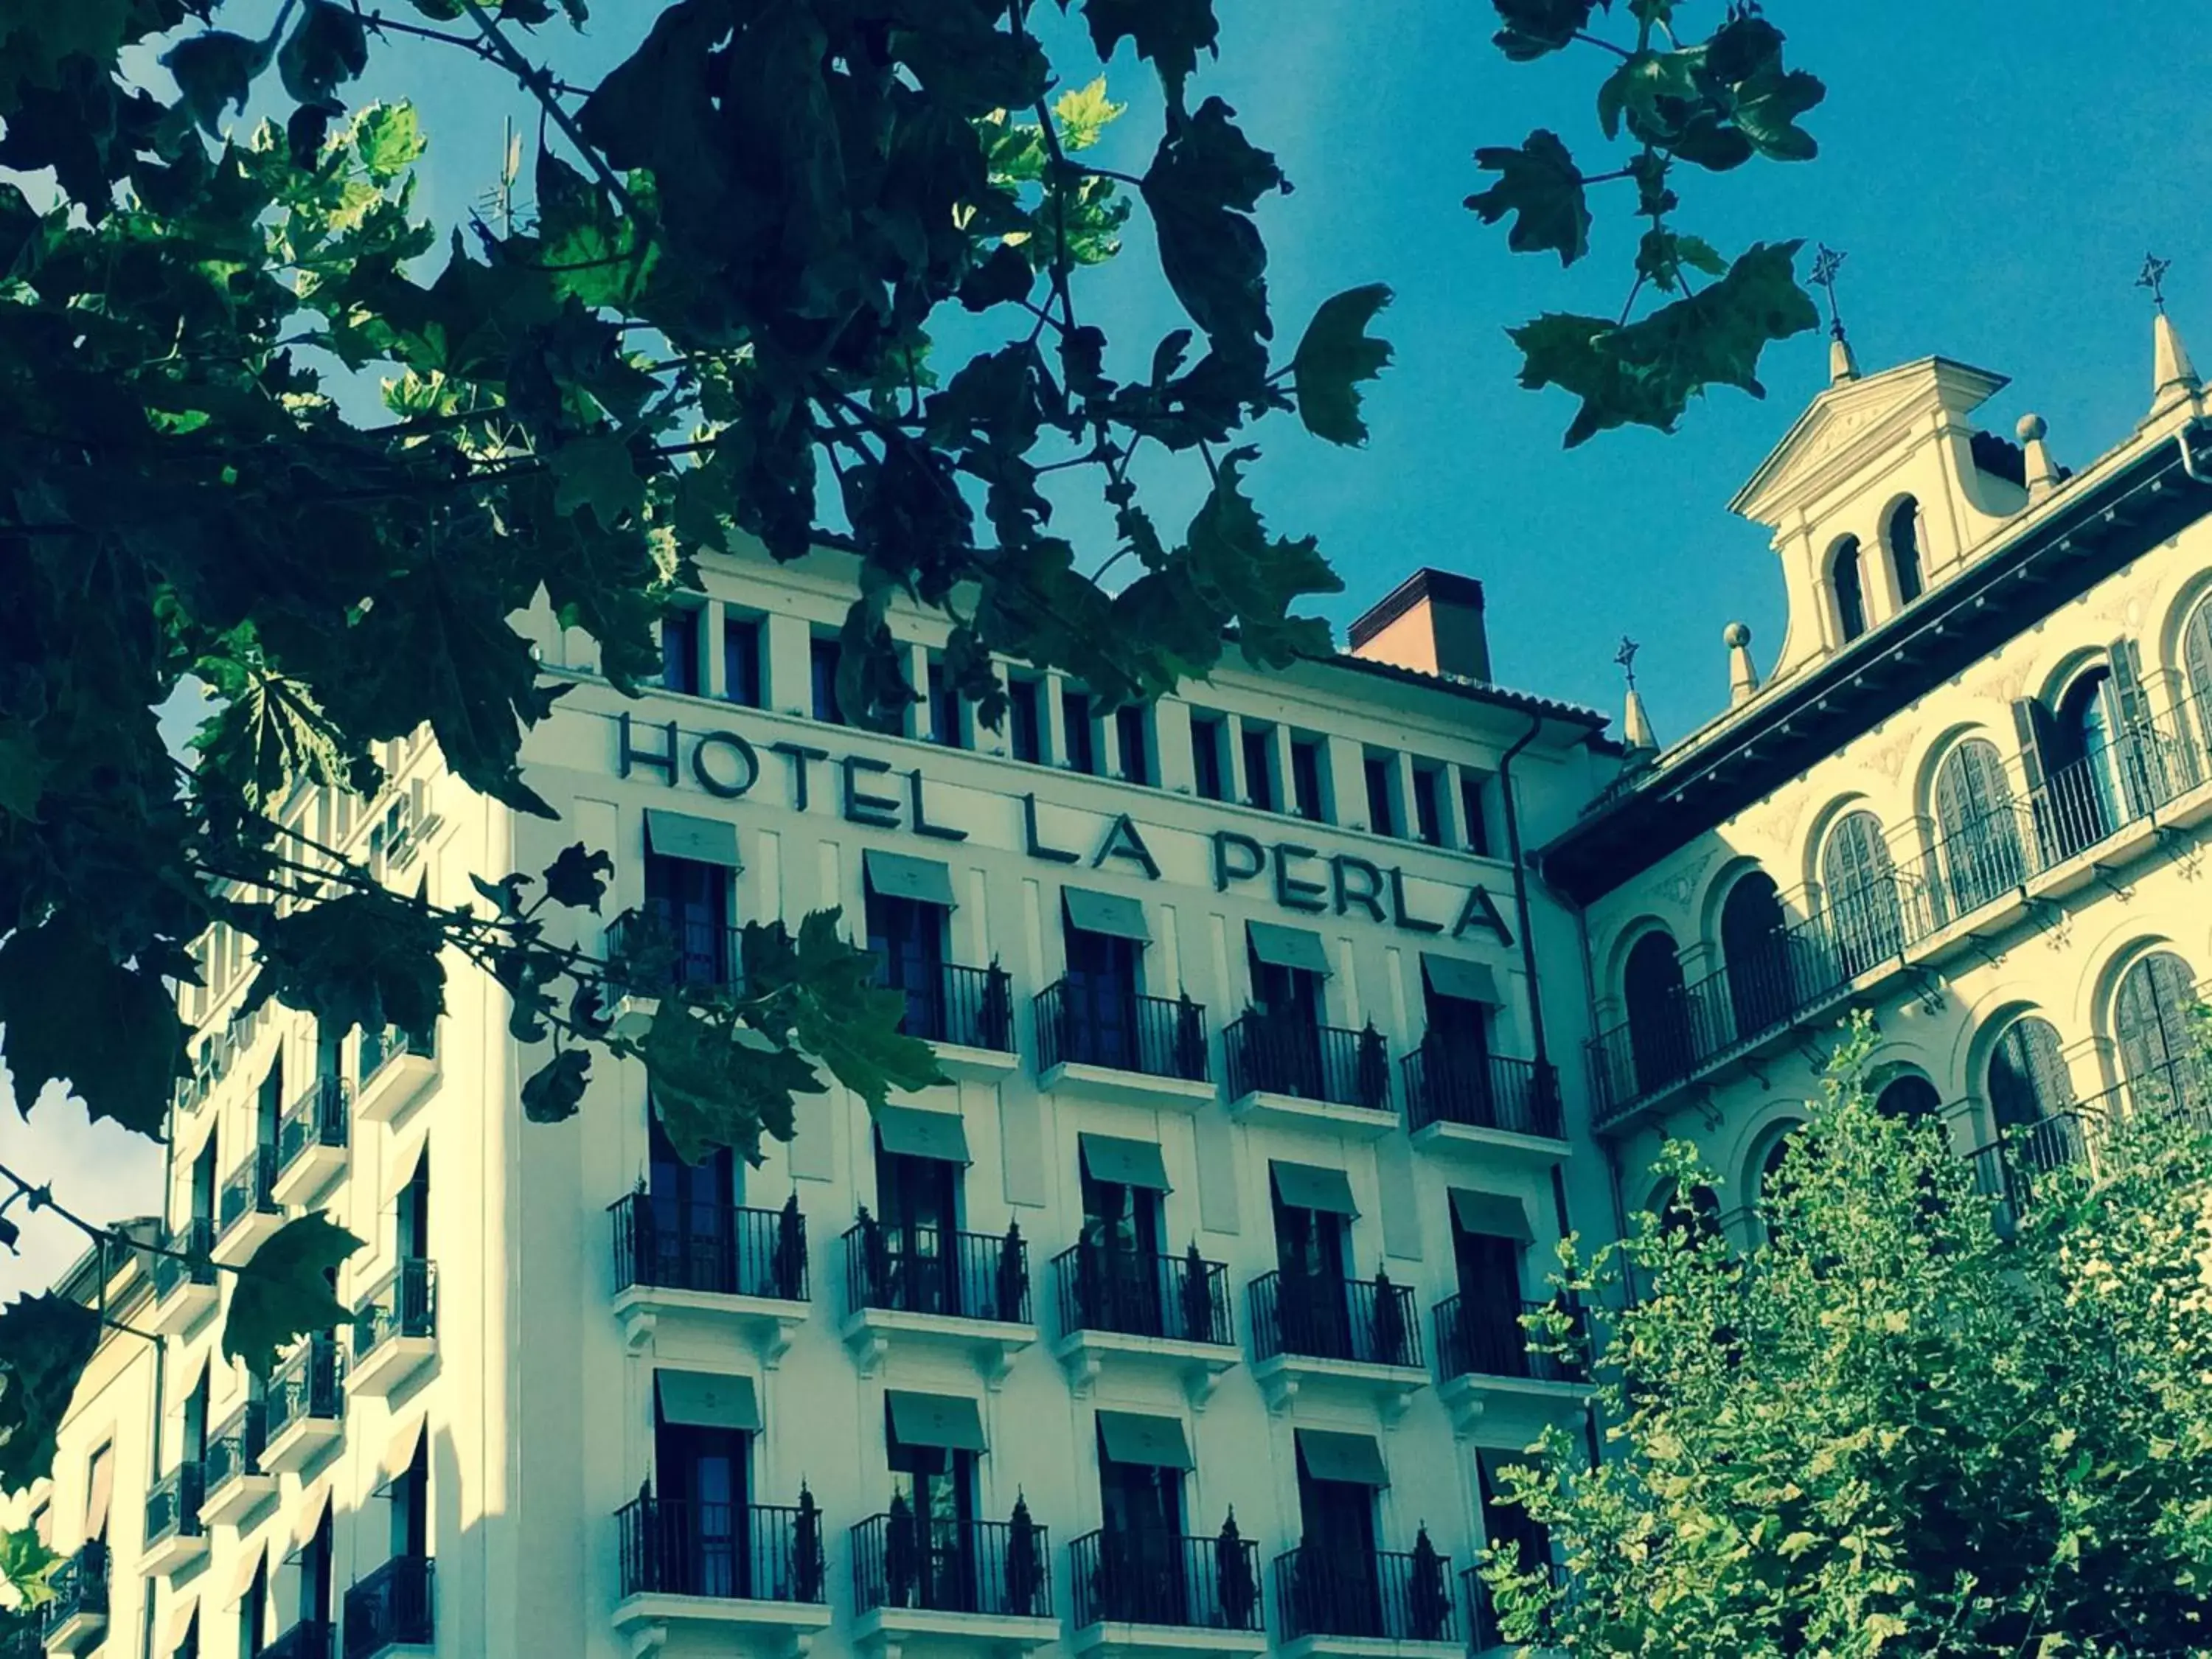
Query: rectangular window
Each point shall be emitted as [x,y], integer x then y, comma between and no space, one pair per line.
[679,651]
[1382,808]
[741,661]
[99,1490]
[945,725]
[1132,730]
[1082,738]
[1428,804]
[1259,745]
[824,660]
[688,903]
[1024,721]
[1205,758]
[1305,779]
[1473,810]
[907,938]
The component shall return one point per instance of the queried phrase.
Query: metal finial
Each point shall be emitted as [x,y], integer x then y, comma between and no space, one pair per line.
[1626,658]
[1826,262]
[2154,278]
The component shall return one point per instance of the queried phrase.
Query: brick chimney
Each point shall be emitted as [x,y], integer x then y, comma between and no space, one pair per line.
[1431,622]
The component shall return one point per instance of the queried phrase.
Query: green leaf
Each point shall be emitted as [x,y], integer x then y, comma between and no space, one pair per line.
[837,1011]
[504,895]
[1336,354]
[284,1292]
[1533,28]
[1168,33]
[596,472]
[28,1566]
[388,139]
[1767,106]
[214,69]
[1255,578]
[555,1090]
[714,1083]
[73,1012]
[1082,114]
[1539,183]
[22,771]
[1637,89]
[1205,180]
[45,1342]
[368,958]
[268,734]
[328,47]
[578,877]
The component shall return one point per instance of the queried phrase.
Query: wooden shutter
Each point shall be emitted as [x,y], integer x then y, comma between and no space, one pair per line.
[2150,1016]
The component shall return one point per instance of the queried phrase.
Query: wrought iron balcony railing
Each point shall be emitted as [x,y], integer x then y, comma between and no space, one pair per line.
[396,1606]
[934,1270]
[1485,1337]
[1142,1293]
[967,1007]
[734,1552]
[1087,1021]
[945,1566]
[317,1118]
[1136,1577]
[1315,1316]
[1390,1596]
[719,1248]
[1447,1082]
[406,1304]
[1282,1053]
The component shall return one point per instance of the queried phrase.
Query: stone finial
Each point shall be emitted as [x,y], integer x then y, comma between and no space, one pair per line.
[1636,727]
[2172,372]
[1743,675]
[2042,472]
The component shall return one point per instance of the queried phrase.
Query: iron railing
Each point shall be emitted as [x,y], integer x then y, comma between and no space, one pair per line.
[79,1587]
[1316,1316]
[235,1449]
[1142,1576]
[1483,1337]
[650,952]
[317,1118]
[395,1605]
[740,1551]
[311,1638]
[193,1240]
[2081,1131]
[1283,1054]
[935,1270]
[1083,1021]
[947,1565]
[406,1304]
[719,1248]
[1142,1293]
[1448,1082]
[382,1044]
[172,1506]
[1393,1595]
[247,1190]
[967,1007]
[305,1385]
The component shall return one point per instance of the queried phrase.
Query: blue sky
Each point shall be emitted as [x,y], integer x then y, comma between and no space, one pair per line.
[1996,172]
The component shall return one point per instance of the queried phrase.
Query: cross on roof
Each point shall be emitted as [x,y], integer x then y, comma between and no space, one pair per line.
[1826,262]
[2154,278]
[1626,658]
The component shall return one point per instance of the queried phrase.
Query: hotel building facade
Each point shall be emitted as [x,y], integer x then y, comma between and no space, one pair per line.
[1289,1025]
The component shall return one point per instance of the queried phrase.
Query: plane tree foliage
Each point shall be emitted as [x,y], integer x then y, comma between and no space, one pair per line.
[1912,1419]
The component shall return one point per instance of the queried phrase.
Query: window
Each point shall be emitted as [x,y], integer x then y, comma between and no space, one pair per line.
[2150,1022]
[1258,742]
[919,1198]
[1474,811]
[1143,1571]
[409,1492]
[253,1612]
[2076,746]
[945,723]
[1025,721]
[269,1105]
[1755,951]
[1132,731]
[687,901]
[1911,1098]
[412,1214]
[314,1563]
[2196,656]
[907,937]
[1336,1586]
[2028,1079]
[1859,884]
[1306,793]
[1381,794]
[1205,758]
[1905,549]
[1428,804]
[1851,597]
[935,1486]
[679,651]
[824,658]
[689,1242]
[1979,841]
[702,1465]
[99,1492]
[1658,1023]
[741,661]
[1082,732]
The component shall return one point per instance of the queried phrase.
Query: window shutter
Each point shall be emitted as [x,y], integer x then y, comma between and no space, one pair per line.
[2031,722]
[2150,1016]
[2196,653]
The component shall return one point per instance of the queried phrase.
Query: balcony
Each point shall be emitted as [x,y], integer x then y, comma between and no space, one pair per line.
[184,1290]
[75,1620]
[717,1571]
[934,1287]
[247,1210]
[1140,1311]
[233,1482]
[1138,1592]
[967,1014]
[1358,1336]
[986,1585]
[1464,1102]
[395,1068]
[395,1334]
[1392,1602]
[175,1537]
[311,1141]
[393,1610]
[717,1265]
[1106,1041]
[311,1638]
[1491,1369]
[650,954]
[305,1408]
[1285,1069]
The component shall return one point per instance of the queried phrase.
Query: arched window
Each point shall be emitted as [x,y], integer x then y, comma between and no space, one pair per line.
[1859,885]
[2078,789]
[1701,1214]
[1851,594]
[1975,817]
[1658,1029]
[2150,1022]
[1904,537]
[1762,1189]
[1910,1097]
[2196,659]
[1755,951]
[2028,1079]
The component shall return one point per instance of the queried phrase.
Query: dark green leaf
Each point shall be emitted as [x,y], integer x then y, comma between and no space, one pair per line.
[553,1092]
[596,472]
[1767,110]
[45,1343]
[214,69]
[73,1012]
[1336,354]
[1532,29]
[839,1013]
[1170,33]
[716,1084]
[328,47]
[1255,578]
[22,771]
[1204,180]
[1540,185]
[1638,87]
[388,139]
[578,877]
[368,958]
[284,1291]
[505,894]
